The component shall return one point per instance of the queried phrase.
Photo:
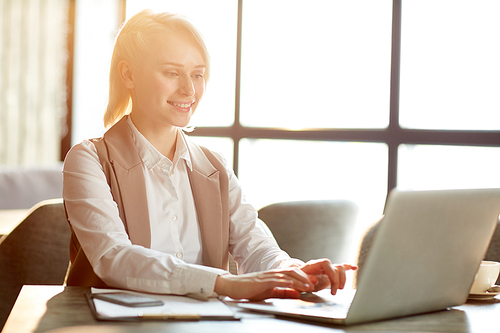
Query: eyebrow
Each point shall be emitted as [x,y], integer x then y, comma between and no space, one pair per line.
[181,65]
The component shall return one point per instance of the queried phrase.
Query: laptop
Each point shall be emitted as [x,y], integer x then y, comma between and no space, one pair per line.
[423,258]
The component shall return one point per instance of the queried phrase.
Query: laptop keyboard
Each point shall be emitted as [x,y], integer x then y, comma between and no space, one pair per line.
[314,302]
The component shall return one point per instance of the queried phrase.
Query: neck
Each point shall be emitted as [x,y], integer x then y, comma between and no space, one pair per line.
[163,138]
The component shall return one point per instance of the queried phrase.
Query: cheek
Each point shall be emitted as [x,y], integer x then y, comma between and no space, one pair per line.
[200,89]
[164,86]
[158,84]
[147,88]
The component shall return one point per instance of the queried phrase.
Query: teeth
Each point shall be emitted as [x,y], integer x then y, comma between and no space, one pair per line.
[182,105]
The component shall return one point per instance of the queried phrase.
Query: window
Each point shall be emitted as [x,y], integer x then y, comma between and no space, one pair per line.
[348,99]
[274,170]
[315,64]
[96,23]
[32,82]
[437,167]
[297,65]
[450,68]
[450,78]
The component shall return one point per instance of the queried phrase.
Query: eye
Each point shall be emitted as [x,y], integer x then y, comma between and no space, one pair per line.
[198,76]
[171,74]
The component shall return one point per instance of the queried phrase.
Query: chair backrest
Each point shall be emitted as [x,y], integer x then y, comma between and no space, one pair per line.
[313,229]
[493,252]
[36,252]
[363,250]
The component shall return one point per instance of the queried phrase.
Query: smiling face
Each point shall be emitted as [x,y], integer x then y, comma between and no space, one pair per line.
[168,83]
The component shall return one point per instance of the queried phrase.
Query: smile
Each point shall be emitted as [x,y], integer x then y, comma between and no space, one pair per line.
[182,105]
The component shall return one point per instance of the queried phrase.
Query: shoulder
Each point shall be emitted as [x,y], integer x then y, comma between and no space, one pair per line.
[84,148]
[81,156]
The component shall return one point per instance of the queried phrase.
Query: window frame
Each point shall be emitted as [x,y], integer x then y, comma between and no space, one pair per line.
[393,136]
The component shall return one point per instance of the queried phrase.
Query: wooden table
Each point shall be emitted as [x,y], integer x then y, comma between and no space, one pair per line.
[58,309]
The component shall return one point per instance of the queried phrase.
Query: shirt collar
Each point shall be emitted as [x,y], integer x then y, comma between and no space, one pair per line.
[152,158]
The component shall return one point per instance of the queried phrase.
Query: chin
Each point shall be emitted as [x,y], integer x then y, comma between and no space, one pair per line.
[181,124]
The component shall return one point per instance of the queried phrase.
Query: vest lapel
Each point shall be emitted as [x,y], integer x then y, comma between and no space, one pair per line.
[132,187]
[206,187]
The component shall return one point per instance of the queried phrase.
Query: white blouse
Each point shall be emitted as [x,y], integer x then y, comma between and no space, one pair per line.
[173,264]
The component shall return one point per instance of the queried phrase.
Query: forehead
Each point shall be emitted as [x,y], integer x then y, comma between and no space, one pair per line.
[175,46]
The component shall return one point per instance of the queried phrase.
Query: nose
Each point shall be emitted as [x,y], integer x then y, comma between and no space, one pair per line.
[187,86]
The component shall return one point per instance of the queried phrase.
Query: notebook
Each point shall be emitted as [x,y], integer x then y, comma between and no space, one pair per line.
[423,258]
[126,305]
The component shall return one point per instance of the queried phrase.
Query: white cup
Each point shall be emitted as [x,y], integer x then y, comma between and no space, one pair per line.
[486,276]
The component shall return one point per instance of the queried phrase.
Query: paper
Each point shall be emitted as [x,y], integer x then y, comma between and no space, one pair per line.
[174,308]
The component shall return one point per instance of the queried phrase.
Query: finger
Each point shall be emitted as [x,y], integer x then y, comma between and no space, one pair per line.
[301,280]
[325,267]
[349,267]
[323,282]
[333,276]
[319,268]
[315,267]
[341,275]
[276,293]
[282,282]
[314,279]
[285,293]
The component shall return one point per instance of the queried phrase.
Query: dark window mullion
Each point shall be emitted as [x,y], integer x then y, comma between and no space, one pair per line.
[67,122]
[396,136]
[235,135]
[394,129]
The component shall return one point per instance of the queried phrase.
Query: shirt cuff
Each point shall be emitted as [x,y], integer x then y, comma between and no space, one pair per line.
[197,281]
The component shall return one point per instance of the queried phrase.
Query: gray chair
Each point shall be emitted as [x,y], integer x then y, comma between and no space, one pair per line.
[36,252]
[364,249]
[313,229]
[493,252]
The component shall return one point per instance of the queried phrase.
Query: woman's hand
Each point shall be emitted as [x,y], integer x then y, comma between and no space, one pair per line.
[280,283]
[284,283]
[323,274]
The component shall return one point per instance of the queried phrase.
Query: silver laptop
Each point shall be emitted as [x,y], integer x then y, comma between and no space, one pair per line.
[423,259]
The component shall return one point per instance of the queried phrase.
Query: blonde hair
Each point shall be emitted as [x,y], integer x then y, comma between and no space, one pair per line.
[132,41]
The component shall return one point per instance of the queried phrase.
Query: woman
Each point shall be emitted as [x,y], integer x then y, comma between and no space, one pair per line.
[152,211]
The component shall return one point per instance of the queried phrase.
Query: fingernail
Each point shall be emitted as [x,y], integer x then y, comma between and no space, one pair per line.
[307,285]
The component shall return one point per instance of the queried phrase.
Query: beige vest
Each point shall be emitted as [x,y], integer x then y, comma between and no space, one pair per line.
[123,168]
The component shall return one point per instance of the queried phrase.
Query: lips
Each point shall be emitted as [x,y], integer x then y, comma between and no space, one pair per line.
[185,106]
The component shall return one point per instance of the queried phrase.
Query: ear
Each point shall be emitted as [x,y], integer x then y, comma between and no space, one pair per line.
[125,71]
